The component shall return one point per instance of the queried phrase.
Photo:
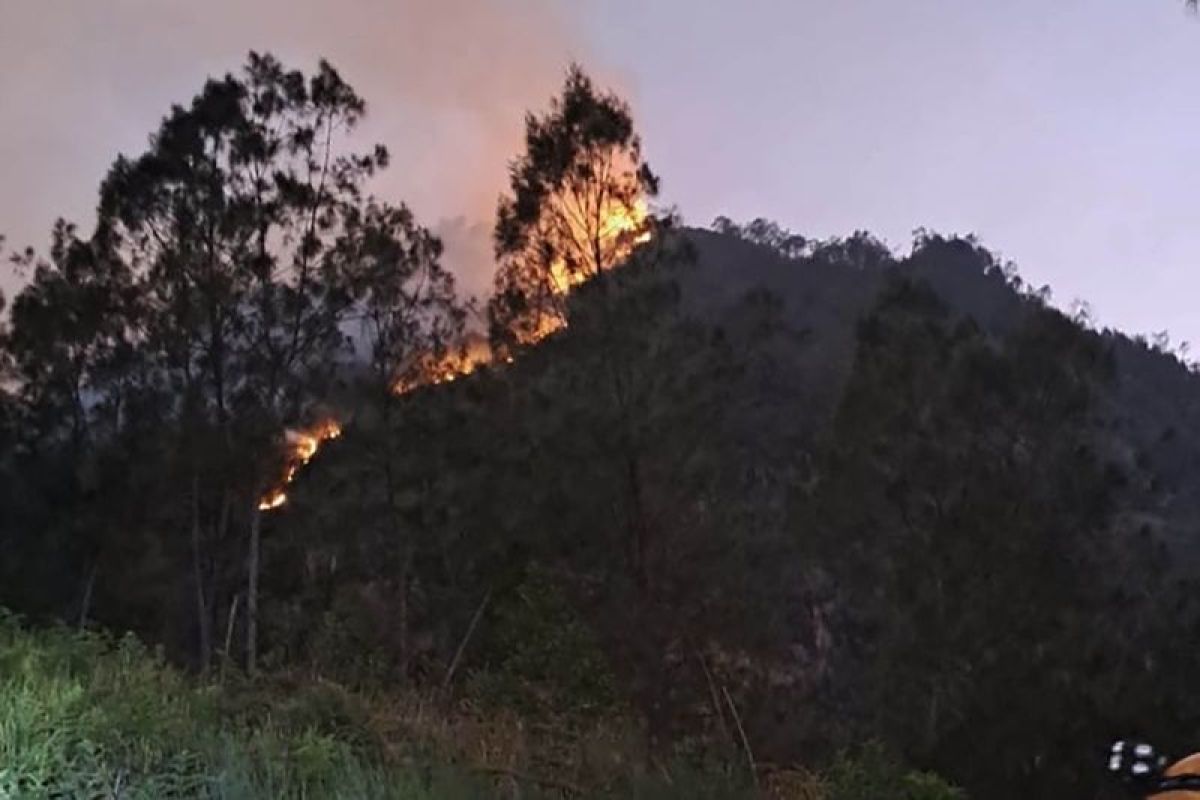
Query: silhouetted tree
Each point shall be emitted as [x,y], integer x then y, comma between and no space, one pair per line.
[576,207]
[227,222]
[412,324]
[965,531]
[767,233]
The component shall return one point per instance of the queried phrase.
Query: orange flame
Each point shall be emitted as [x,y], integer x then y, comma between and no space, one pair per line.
[302,446]
[622,229]
[471,354]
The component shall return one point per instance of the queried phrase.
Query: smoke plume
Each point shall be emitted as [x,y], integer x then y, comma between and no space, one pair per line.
[447,84]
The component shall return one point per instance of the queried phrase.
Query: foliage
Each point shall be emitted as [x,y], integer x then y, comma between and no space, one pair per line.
[544,660]
[87,715]
[90,715]
[577,205]
[164,355]
[767,233]
[962,527]
[760,498]
[870,774]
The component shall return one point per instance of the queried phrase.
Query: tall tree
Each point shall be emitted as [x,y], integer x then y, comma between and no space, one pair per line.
[411,322]
[576,207]
[72,352]
[963,528]
[71,325]
[227,221]
[576,211]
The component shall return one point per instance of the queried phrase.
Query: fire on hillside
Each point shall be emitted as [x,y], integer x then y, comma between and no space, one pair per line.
[623,228]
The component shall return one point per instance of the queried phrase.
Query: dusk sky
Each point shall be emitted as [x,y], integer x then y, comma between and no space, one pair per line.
[1065,133]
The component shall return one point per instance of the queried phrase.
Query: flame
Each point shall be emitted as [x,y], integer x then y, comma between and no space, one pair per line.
[272,500]
[623,228]
[302,446]
[427,370]
[620,219]
[474,352]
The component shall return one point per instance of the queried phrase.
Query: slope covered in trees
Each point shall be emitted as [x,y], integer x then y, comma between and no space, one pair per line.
[772,498]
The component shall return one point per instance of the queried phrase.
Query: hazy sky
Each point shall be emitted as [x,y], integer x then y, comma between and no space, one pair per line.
[1064,133]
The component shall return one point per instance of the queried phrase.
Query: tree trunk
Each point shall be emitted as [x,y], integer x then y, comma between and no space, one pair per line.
[202,618]
[252,567]
[639,545]
[462,645]
[85,605]
[233,609]
[405,581]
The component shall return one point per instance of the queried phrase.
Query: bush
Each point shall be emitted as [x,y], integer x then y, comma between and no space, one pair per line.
[873,774]
[86,715]
[543,658]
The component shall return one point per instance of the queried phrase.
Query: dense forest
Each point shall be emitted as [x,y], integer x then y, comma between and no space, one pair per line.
[778,506]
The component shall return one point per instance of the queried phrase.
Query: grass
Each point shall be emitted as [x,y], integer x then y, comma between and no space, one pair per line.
[86,715]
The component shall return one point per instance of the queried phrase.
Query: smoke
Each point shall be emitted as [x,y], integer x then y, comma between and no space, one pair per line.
[447,83]
[468,251]
[455,79]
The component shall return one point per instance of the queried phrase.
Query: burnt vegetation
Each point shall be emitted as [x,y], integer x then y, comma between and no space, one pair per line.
[772,499]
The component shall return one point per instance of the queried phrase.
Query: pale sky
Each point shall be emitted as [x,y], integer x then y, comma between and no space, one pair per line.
[1064,133]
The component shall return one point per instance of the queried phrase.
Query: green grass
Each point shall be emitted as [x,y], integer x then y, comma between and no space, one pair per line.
[85,716]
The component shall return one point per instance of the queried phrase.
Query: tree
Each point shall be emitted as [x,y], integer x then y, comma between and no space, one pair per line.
[766,233]
[575,212]
[227,222]
[576,208]
[73,353]
[963,529]
[411,320]
[71,326]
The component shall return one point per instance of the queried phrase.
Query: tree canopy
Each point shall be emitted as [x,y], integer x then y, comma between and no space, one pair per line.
[577,204]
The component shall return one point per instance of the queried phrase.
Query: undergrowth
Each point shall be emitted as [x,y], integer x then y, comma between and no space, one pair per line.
[88,715]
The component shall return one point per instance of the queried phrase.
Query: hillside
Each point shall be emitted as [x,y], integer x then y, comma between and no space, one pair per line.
[695,525]
[724,507]
[87,715]
[772,502]
[1151,407]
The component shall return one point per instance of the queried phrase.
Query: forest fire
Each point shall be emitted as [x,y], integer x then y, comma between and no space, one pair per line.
[471,354]
[623,228]
[302,446]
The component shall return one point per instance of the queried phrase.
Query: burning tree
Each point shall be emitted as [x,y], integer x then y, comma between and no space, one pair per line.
[577,209]
[229,224]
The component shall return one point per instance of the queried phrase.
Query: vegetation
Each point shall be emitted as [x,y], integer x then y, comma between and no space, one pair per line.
[723,513]
[86,715]
[578,203]
[89,715]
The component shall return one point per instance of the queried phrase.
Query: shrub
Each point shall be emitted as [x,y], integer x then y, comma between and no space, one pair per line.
[87,715]
[872,773]
[543,658]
